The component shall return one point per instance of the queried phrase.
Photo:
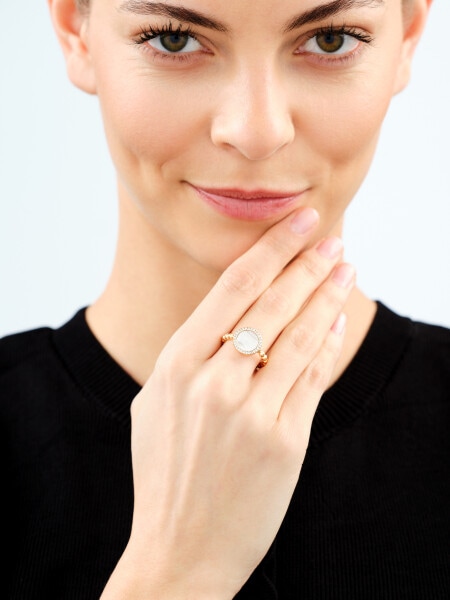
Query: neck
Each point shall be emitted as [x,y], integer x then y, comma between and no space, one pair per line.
[151,291]
[154,287]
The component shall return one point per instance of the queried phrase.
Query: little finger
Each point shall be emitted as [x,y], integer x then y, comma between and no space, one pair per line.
[303,338]
[283,300]
[300,405]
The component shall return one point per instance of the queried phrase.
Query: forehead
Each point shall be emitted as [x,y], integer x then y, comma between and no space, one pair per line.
[218,16]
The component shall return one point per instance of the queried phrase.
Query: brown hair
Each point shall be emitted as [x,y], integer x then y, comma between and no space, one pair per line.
[83,5]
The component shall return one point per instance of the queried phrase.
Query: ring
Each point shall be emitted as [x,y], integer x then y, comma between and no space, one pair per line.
[248,340]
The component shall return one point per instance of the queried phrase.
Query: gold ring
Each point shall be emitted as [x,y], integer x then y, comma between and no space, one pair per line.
[248,340]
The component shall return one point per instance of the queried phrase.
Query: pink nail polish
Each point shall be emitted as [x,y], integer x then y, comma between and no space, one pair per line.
[339,325]
[304,221]
[330,247]
[343,275]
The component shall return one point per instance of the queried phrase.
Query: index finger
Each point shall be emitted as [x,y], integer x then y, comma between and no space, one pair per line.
[241,284]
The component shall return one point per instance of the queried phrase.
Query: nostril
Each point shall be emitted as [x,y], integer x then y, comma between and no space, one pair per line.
[255,136]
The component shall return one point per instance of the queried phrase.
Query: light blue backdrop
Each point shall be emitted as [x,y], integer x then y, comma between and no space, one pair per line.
[58,208]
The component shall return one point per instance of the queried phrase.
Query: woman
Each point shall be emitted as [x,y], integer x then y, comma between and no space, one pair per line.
[230,321]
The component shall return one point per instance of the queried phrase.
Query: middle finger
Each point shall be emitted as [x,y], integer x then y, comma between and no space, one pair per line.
[281,302]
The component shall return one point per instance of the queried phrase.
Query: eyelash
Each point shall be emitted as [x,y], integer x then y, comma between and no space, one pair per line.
[332,58]
[343,30]
[152,32]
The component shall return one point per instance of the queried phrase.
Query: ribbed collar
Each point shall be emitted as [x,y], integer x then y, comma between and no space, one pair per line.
[99,377]
[102,380]
[365,377]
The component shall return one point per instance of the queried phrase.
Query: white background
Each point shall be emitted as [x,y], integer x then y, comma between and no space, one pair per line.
[58,204]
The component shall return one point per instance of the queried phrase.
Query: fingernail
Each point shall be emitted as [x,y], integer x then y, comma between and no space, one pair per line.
[343,275]
[339,325]
[330,247]
[304,221]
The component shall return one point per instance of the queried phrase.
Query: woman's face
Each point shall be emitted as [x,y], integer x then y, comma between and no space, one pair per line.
[222,117]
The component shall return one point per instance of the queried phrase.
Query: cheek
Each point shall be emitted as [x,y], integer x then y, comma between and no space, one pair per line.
[353,106]
[141,124]
[148,120]
[349,124]
[344,134]
[139,109]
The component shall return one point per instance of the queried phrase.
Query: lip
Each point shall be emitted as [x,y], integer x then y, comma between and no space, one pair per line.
[248,205]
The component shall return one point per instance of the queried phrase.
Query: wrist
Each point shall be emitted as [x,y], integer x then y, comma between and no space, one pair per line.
[132,582]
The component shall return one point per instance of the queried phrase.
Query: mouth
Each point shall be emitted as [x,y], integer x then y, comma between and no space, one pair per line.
[248,205]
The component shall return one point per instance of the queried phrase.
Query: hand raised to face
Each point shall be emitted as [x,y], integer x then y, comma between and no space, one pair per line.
[218,445]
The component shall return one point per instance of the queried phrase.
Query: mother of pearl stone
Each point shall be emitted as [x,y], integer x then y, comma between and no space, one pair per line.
[247,340]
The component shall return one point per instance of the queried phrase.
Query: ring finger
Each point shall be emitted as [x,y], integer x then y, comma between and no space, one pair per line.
[283,300]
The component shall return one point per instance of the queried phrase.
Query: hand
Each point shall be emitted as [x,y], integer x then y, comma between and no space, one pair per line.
[217,447]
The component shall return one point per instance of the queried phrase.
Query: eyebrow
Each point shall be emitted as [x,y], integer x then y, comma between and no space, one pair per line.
[331,9]
[188,15]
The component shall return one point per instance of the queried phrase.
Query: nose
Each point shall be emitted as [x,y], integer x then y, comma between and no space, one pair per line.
[253,115]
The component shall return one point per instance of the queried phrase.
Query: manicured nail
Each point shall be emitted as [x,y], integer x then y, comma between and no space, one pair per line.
[343,275]
[330,247]
[304,221]
[339,325]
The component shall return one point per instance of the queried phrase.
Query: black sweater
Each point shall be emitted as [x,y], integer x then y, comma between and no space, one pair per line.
[369,519]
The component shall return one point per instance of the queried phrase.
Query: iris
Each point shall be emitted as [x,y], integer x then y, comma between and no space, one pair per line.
[330,42]
[174,41]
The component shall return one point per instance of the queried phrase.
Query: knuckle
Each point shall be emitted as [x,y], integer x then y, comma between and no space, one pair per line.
[310,269]
[332,297]
[273,301]
[173,371]
[333,348]
[276,244]
[287,444]
[301,338]
[318,374]
[241,279]
[254,422]
[291,443]
[214,392]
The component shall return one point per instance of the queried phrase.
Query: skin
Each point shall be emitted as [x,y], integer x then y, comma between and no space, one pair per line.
[163,226]
[244,110]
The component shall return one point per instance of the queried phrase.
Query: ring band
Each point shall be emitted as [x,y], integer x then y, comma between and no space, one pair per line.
[248,340]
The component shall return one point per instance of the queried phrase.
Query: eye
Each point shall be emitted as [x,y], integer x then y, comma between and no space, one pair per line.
[338,42]
[175,42]
[331,43]
[171,41]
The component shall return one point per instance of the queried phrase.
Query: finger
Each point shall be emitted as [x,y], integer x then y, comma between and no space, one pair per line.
[281,302]
[243,282]
[300,343]
[299,407]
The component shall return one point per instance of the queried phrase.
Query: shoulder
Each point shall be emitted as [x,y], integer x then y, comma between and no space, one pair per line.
[31,363]
[429,354]
[37,349]
[33,376]
[424,368]
[30,369]
[26,347]
[426,339]
[29,373]
[431,342]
